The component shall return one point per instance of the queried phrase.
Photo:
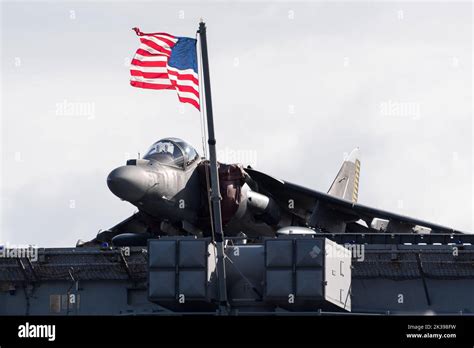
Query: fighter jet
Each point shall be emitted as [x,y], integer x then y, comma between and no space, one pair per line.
[170,188]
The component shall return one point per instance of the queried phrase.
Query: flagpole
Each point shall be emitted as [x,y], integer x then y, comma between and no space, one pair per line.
[201,105]
[215,192]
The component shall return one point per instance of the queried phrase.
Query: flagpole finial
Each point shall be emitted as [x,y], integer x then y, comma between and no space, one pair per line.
[202,26]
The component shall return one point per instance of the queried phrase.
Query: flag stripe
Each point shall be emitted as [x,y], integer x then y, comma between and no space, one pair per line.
[166,44]
[162,35]
[186,89]
[154,48]
[169,42]
[184,77]
[143,52]
[143,63]
[154,58]
[149,75]
[189,95]
[163,69]
[148,85]
[151,51]
[152,81]
[190,101]
[183,82]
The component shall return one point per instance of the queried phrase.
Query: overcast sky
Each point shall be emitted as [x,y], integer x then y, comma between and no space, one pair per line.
[296,86]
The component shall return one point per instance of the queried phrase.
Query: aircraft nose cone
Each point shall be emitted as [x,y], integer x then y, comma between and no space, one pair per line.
[129,183]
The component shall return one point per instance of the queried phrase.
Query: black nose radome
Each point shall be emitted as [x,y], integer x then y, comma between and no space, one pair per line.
[129,183]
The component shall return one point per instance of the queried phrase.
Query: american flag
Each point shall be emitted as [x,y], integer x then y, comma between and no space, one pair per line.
[164,61]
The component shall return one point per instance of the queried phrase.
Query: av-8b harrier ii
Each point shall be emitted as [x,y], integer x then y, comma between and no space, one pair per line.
[170,187]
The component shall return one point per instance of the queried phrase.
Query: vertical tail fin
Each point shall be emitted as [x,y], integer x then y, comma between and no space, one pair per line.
[346,183]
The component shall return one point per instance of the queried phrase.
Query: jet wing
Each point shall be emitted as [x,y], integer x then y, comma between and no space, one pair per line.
[306,200]
[133,224]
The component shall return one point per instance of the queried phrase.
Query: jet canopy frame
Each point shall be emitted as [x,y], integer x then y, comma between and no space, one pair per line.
[173,152]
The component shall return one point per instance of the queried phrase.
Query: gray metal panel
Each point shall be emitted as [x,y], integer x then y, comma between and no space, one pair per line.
[279,252]
[192,253]
[309,252]
[192,284]
[162,284]
[309,283]
[162,253]
[279,283]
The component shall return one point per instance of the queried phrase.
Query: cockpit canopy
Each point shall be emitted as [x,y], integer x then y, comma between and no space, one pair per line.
[172,151]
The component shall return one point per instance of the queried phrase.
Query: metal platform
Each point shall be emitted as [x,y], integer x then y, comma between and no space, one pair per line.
[386,278]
